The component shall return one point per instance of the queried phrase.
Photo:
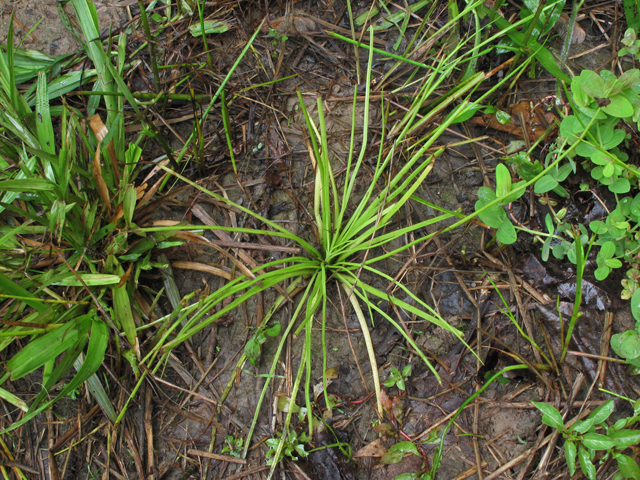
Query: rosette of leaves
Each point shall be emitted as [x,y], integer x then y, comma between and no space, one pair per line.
[293,445]
[495,216]
[602,100]
[631,44]
[618,236]
[397,378]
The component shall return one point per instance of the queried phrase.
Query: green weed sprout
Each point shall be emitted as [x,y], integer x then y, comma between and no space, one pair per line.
[397,378]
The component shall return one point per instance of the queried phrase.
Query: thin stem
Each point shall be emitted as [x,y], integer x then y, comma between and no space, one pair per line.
[152,47]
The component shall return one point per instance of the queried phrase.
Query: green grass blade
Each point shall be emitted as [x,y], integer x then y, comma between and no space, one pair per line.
[9,286]
[88,20]
[44,127]
[45,348]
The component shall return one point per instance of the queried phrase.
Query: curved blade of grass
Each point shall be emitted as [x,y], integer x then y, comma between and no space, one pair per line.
[44,127]
[283,231]
[260,283]
[88,20]
[350,287]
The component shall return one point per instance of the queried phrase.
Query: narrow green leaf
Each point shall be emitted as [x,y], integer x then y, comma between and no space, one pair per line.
[583,425]
[26,185]
[13,400]
[549,224]
[9,286]
[603,412]
[44,127]
[596,441]
[90,279]
[503,180]
[588,468]
[625,438]
[39,351]
[570,452]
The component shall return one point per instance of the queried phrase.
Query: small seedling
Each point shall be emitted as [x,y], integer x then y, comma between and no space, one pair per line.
[278,39]
[631,44]
[233,446]
[293,444]
[396,378]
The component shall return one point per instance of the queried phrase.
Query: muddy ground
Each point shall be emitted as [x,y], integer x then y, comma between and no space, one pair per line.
[448,273]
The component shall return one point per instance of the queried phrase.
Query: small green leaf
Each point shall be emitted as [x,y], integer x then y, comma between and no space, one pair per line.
[592,83]
[493,216]
[274,330]
[613,263]
[545,184]
[503,117]
[598,227]
[629,78]
[550,416]
[210,27]
[123,312]
[129,203]
[626,344]
[546,246]
[549,224]
[619,107]
[506,234]
[601,273]
[398,451]
[608,170]
[608,249]
[503,181]
[583,425]
[252,351]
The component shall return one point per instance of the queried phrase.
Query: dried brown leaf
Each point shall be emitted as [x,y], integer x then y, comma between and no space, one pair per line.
[374,449]
[97,174]
[100,131]
[201,267]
